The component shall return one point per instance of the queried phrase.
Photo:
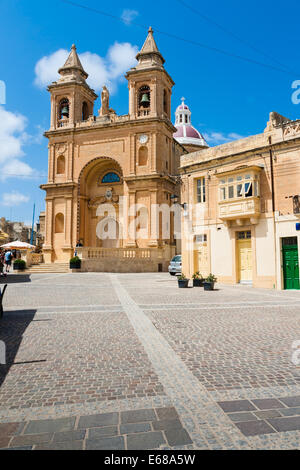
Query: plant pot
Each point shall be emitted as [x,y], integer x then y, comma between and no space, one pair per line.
[209,285]
[75,265]
[198,282]
[19,267]
[183,283]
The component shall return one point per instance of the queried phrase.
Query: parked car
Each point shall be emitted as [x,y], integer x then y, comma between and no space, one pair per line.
[175,265]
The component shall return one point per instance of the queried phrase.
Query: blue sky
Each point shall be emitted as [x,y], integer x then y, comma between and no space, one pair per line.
[228,97]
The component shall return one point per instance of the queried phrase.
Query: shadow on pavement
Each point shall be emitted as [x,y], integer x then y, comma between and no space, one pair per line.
[15,278]
[12,327]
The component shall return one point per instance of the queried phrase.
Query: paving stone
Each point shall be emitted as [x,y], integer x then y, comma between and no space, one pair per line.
[106,443]
[254,428]
[286,423]
[240,417]
[134,428]
[137,416]
[50,425]
[69,436]
[4,441]
[289,412]
[143,441]
[10,429]
[268,414]
[291,401]
[236,405]
[194,346]
[178,437]
[93,421]
[267,403]
[67,445]
[96,433]
[30,439]
[167,413]
[166,424]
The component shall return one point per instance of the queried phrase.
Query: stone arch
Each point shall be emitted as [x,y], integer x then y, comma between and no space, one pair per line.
[61,165]
[143,156]
[92,164]
[85,111]
[166,102]
[63,109]
[59,225]
[91,191]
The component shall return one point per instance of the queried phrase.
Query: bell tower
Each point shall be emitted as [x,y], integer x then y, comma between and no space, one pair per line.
[72,100]
[150,86]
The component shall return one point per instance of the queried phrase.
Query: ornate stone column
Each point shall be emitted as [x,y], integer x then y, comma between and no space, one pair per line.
[48,247]
[68,222]
[51,163]
[131,229]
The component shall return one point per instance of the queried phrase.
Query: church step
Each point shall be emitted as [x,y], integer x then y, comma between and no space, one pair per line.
[49,268]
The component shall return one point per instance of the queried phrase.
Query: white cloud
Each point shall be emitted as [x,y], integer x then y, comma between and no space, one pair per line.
[107,70]
[218,138]
[12,139]
[47,67]
[129,15]
[96,67]
[14,199]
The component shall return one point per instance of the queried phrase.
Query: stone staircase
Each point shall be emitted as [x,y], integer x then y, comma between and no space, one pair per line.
[48,268]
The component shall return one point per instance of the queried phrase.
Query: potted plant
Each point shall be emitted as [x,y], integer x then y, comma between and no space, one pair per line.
[197,279]
[209,282]
[75,263]
[19,265]
[183,282]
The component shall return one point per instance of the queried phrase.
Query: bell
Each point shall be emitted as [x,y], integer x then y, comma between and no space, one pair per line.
[65,111]
[145,100]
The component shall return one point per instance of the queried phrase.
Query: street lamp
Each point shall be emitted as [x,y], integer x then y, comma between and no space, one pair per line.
[175,199]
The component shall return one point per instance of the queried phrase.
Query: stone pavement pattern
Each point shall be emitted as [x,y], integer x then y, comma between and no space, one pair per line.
[215,365]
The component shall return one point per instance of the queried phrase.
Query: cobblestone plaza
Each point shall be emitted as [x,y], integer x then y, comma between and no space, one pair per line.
[129,361]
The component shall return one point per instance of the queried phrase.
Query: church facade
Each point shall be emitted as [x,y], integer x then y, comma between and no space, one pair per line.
[109,176]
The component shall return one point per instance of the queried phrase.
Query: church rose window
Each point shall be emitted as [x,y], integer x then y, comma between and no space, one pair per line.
[111,178]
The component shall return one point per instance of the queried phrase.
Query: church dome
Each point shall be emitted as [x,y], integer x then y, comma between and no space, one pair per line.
[186,134]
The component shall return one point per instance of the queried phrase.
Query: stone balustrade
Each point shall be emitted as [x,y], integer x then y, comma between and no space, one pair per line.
[119,253]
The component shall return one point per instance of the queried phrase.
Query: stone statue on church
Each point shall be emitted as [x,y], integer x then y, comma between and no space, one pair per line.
[104,101]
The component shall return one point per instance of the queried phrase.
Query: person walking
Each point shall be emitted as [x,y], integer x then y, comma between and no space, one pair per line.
[8,259]
[2,261]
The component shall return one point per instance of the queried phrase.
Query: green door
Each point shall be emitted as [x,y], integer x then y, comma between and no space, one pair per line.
[290,263]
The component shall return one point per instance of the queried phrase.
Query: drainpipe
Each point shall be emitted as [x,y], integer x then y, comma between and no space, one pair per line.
[272,175]
[273,208]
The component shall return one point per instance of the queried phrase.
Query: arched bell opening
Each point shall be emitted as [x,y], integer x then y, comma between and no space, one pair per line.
[144,100]
[85,111]
[63,112]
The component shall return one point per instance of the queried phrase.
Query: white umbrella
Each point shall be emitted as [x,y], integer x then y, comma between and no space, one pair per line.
[17,245]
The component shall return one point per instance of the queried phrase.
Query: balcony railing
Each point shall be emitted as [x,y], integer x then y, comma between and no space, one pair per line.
[240,208]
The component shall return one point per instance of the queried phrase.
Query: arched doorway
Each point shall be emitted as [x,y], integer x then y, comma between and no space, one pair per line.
[100,191]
